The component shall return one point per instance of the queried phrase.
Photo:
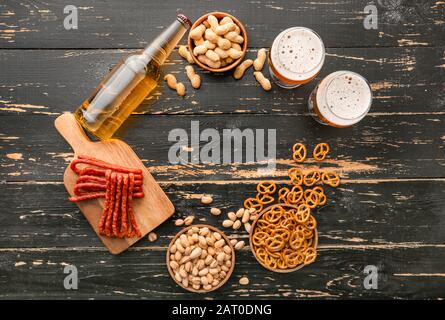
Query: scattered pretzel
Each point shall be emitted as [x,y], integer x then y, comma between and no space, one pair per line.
[321,150]
[330,178]
[266,187]
[311,178]
[299,152]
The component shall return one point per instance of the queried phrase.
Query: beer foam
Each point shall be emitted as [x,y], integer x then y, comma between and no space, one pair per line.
[344,97]
[298,53]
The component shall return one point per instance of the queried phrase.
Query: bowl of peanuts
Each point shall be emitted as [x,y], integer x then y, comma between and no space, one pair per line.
[200,258]
[217,42]
[284,237]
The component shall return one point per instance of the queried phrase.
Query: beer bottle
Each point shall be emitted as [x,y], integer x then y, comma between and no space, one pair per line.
[129,83]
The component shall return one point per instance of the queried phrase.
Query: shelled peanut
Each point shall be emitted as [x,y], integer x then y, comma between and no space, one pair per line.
[200,258]
[241,217]
[217,43]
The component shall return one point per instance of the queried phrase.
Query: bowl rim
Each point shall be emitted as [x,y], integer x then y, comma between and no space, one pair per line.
[184,230]
[219,15]
[251,244]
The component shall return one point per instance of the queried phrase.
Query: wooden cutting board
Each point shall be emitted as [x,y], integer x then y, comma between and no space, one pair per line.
[150,211]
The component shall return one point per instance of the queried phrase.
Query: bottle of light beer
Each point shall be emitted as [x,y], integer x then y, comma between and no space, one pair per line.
[129,83]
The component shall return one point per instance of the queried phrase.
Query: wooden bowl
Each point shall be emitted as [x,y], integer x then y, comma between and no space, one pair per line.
[229,273]
[219,15]
[251,244]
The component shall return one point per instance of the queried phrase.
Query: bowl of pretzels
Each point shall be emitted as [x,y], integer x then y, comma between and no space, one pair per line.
[284,237]
[217,42]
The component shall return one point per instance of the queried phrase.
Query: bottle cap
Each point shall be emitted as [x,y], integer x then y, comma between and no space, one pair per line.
[184,20]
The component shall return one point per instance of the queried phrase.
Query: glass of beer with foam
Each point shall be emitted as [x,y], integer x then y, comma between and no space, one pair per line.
[296,57]
[341,99]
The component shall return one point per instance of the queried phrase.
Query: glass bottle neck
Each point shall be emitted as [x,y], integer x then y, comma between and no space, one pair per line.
[163,45]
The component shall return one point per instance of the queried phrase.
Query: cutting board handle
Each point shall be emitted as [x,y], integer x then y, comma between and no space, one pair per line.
[71,130]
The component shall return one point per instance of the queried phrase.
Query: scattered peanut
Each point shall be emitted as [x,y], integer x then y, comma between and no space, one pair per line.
[244,281]
[236,225]
[215,211]
[152,236]
[179,222]
[239,71]
[204,264]
[239,245]
[185,53]
[174,84]
[227,223]
[195,79]
[248,227]
[240,212]
[262,80]
[206,199]
[246,216]
[233,242]
[258,64]
[189,220]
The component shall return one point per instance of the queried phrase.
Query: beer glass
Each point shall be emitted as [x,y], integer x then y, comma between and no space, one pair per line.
[296,57]
[341,99]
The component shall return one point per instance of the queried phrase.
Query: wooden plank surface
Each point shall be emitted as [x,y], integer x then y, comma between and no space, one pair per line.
[39,24]
[404,80]
[388,212]
[391,146]
[358,213]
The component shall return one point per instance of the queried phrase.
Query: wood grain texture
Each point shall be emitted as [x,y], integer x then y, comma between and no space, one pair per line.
[395,146]
[383,213]
[149,212]
[388,212]
[39,24]
[49,82]
[408,273]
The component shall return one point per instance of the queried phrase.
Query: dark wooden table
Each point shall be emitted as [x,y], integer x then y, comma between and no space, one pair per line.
[389,211]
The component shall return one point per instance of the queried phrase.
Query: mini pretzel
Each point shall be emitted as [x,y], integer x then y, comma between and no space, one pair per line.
[299,152]
[311,223]
[308,233]
[281,263]
[261,254]
[296,176]
[311,198]
[259,237]
[266,187]
[311,178]
[282,232]
[289,224]
[276,255]
[293,258]
[295,195]
[321,150]
[296,240]
[271,262]
[273,215]
[330,178]
[310,255]
[250,203]
[264,198]
[322,199]
[275,244]
[303,213]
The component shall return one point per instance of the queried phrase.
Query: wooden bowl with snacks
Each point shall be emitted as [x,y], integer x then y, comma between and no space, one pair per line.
[242,32]
[174,266]
[253,247]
